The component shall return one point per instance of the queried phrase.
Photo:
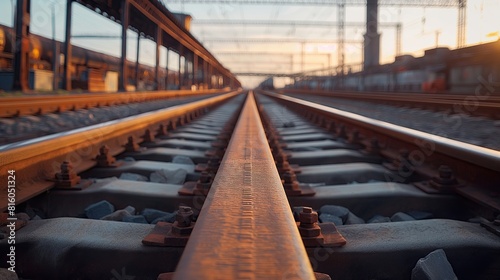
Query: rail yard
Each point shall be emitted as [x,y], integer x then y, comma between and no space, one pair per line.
[113,168]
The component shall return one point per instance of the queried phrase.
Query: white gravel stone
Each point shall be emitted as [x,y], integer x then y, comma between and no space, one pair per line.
[352,219]
[434,266]
[379,219]
[169,218]
[133,177]
[420,215]
[183,160]
[401,217]
[99,209]
[138,219]
[328,218]
[335,210]
[130,209]
[118,215]
[177,176]
[6,274]
[153,214]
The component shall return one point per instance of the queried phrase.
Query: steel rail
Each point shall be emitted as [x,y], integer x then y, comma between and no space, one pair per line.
[389,95]
[31,105]
[246,229]
[478,166]
[484,104]
[480,156]
[36,161]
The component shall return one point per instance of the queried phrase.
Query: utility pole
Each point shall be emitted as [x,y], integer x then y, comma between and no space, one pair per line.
[398,39]
[55,51]
[21,55]
[302,57]
[340,35]
[13,42]
[437,37]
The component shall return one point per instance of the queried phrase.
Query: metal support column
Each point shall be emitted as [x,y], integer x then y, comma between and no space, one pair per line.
[122,84]
[186,70]
[340,35]
[67,47]
[302,53]
[208,78]
[159,43]
[137,61]
[195,71]
[205,74]
[55,52]
[371,50]
[21,56]
[180,67]
[166,69]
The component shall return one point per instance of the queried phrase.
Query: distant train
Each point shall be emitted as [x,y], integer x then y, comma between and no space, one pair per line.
[439,70]
[267,84]
[90,70]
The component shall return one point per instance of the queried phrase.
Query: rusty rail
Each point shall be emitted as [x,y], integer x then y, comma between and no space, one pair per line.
[479,166]
[36,161]
[479,103]
[34,105]
[246,229]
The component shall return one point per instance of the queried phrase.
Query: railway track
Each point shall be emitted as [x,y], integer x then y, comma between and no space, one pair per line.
[271,187]
[43,104]
[482,102]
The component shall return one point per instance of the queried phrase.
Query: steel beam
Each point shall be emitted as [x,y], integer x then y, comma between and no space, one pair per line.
[166,68]
[137,52]
[186,69]
[205,73]
[55,52]
[125,17]
[179,70]
[67,47]
[160,18]
[158,40]
[195,70]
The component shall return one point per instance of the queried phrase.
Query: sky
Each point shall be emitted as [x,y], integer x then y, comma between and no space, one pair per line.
[419,29]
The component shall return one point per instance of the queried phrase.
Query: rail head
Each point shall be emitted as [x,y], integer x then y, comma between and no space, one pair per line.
[42,104]
[246,229]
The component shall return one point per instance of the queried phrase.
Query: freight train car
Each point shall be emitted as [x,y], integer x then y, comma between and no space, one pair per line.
[439,70]
[267,84]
